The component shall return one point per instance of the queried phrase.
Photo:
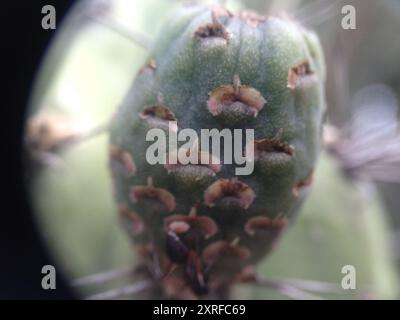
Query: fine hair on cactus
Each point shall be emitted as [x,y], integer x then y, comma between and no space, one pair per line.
[213,160]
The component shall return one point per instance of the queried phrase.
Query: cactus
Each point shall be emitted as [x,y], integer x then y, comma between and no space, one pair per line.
[198,228]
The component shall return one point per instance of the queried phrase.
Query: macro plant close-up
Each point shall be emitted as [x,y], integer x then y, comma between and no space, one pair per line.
[239,149]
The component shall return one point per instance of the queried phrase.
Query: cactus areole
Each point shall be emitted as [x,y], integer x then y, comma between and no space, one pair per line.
[198,227]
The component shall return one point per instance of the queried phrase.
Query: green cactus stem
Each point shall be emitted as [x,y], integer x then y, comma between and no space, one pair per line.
[201,226]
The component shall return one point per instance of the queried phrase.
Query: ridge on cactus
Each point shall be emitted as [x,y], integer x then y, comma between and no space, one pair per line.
[199,228]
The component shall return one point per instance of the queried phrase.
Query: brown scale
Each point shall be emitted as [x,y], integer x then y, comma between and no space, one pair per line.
[231,190]
[46,130]
[207,164]
[158,111]
[267,145]
[123,159]
[265,226]
[154,260]
[159,115]
[223,262]
[164,197]
[202,226]
[136,224]
[236,98]
[183,234]
[212,30]
[303,185]
[300,74]
[151,66]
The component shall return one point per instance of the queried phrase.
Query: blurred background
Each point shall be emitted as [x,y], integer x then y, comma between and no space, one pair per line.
[352,216]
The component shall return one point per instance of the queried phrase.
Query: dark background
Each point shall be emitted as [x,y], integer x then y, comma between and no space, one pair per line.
[22,253]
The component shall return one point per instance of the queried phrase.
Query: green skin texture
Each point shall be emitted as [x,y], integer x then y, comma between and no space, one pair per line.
[188,68]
